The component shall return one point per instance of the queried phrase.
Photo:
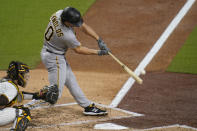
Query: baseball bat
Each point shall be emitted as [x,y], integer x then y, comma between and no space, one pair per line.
[129,71]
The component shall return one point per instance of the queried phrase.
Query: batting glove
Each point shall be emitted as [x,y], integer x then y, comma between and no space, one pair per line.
[102,52]
[102,45]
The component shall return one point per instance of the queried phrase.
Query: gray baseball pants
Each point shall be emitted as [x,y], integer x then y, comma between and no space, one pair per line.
[60,73]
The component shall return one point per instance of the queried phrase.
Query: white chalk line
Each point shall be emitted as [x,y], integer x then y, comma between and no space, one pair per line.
[170,126]
[104,106]
[121,110]
[56,105]
[129,83]
[160,42]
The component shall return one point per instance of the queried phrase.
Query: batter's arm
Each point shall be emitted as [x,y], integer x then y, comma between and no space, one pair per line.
[85,51]
[89,31]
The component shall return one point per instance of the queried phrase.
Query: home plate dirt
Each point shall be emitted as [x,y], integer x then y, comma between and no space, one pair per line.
[69,115]
[102,91]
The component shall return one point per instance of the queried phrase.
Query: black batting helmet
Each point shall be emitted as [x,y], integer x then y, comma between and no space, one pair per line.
[72,16]
[16,71]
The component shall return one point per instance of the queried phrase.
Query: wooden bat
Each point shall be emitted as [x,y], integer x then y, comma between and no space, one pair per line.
[129,71]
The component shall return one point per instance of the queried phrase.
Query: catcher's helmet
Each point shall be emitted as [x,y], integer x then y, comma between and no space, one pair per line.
[72,16]
[16,71]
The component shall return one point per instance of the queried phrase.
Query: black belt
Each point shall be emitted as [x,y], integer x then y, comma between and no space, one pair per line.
[54,52]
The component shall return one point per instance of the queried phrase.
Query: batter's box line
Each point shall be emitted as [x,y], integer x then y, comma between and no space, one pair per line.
[169,126]
[104,106]
[121,110]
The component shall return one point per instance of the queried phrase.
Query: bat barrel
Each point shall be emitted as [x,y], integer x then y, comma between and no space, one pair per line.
[129,71]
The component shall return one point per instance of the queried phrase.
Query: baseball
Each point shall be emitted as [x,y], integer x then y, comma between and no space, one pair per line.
[143,72]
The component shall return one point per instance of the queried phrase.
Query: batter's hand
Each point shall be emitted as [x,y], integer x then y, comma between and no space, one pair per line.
[103,52]
[102,45]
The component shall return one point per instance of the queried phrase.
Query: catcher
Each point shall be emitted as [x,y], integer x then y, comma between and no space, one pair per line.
[18,75]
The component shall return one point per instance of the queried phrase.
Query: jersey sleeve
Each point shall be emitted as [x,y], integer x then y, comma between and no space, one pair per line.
[73,42]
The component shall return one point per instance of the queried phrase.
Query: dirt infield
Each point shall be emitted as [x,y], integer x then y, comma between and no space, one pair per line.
[130,28]
[164,99]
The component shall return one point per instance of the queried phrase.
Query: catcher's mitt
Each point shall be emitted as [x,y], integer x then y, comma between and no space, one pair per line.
[50,93]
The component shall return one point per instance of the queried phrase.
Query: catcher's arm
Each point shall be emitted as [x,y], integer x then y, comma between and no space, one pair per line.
[48,94]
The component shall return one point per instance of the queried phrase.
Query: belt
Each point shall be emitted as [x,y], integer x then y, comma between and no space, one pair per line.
[54,52]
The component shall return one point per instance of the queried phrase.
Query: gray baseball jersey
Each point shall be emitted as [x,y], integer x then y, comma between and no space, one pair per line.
[57,39]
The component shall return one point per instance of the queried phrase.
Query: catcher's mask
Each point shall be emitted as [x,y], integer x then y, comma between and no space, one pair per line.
[72,16]
[16,71]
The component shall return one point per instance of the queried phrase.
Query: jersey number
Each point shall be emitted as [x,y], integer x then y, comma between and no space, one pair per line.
[49,33]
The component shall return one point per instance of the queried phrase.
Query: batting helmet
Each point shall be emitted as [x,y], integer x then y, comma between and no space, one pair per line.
[16,71]
[72,16]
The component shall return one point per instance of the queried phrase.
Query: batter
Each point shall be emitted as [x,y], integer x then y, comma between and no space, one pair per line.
[58,38]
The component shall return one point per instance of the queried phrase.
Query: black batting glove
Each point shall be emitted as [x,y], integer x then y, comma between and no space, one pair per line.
[102,52]
[102,45]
